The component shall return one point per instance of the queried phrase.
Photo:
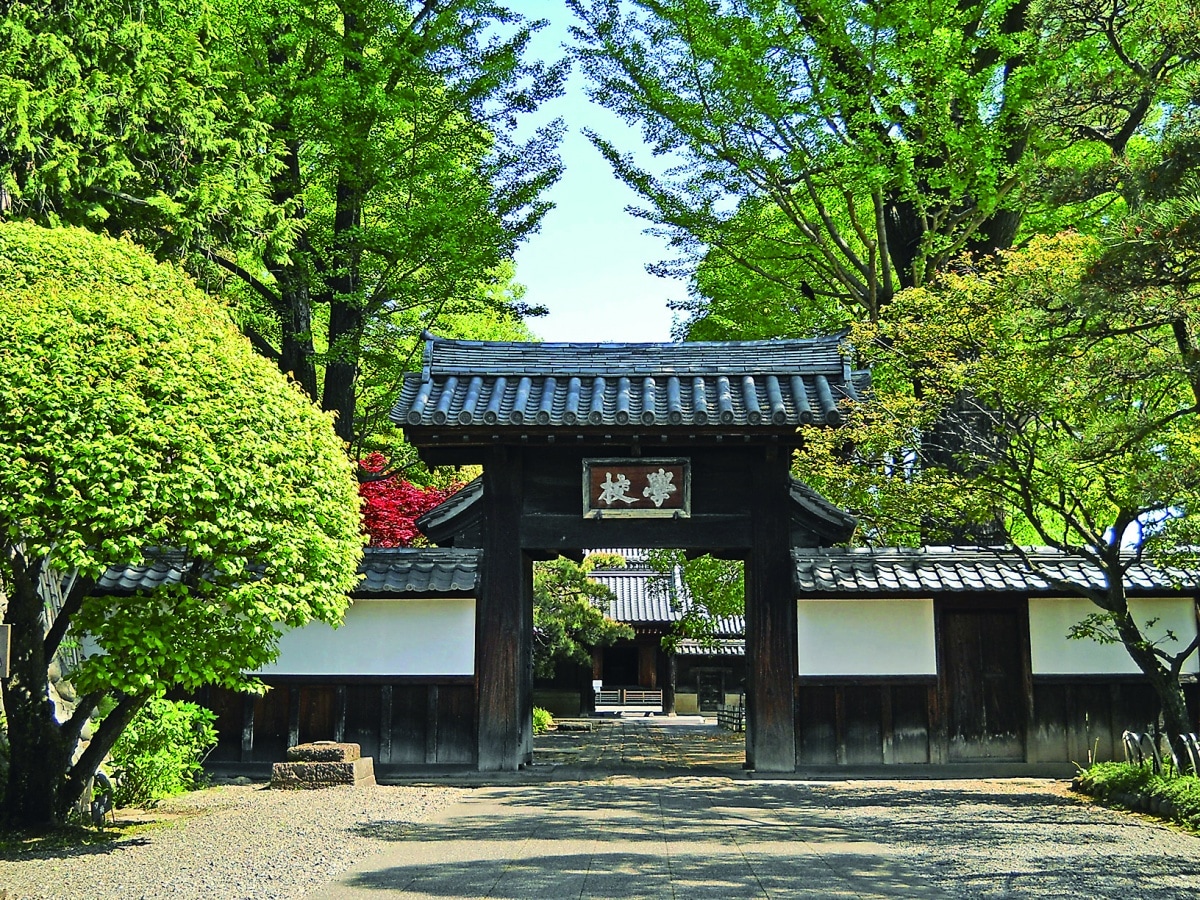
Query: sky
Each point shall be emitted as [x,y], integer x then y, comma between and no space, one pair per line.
[587,264]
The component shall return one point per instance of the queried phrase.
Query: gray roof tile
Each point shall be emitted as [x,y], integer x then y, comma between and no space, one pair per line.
[385,572]
[697,384]
[891,570]
[721,647]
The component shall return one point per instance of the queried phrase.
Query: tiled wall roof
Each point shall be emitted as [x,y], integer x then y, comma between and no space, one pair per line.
[385,571]
[954,569]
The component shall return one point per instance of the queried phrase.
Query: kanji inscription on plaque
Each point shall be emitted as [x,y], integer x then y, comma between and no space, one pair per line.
[645,488]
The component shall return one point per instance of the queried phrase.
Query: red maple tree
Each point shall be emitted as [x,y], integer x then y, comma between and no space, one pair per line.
[393,504]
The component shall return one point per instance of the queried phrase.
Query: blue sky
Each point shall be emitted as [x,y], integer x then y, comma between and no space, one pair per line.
[587,265]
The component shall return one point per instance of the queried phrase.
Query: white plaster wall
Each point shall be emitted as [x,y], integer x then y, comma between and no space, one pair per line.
[384,637]
[866,637]
[1051,653]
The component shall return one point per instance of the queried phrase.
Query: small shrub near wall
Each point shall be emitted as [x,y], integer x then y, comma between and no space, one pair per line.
[160,753]
[1139,788]
[542,720]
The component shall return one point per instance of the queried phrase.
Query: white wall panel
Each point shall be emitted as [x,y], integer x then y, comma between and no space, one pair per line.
[385,637]
[1051,653]
[866,637]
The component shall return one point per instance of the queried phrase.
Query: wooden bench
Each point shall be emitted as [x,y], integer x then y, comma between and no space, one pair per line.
[629,700]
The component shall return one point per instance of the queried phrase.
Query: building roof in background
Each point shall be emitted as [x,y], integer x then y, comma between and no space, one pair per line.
[429,570]
[722,647]
[640,602]
[713,385]
[891,570]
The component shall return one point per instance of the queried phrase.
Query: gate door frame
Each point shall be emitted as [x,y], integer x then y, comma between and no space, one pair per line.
[724,417]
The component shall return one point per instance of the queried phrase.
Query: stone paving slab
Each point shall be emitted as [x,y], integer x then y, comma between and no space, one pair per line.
[630,826]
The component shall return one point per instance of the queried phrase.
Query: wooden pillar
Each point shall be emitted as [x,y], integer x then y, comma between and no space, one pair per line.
[503,623]
[669,687]
[770,622]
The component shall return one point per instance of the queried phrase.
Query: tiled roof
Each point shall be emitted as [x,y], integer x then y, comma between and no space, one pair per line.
[385,571]
[951,569]
[722,647]
[634,600]
[637,603]
[458,511]
[427,570]
[729,383]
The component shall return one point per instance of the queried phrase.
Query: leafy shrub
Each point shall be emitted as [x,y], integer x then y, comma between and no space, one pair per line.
[1118,781]
[159,753]
[542,720]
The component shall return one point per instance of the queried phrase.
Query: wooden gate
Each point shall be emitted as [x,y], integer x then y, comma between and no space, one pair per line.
[984,682]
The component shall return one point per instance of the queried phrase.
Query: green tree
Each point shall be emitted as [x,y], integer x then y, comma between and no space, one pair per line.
[404,188]
[114,117]
[329,165]
[136,417]
[1089,440]
[568,616]
[704,589]
[844,151]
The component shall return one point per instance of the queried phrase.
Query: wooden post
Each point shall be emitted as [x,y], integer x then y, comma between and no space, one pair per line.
[770,622]
[293,716]
[385,724]
[669,687]
[503,622]
[248,701]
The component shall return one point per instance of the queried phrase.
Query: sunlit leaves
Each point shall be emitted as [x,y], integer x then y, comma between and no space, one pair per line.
[137,422]
[568,617]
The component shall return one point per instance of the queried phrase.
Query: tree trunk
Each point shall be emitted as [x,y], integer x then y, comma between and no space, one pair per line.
[1172,703]
[37,751]
[102,742]
[297,354]
[345,305]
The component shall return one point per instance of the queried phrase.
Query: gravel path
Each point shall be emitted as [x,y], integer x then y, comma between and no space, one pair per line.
[232,842]
[1007,838]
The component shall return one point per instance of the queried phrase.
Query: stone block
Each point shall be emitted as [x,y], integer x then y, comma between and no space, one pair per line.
[324,751]
[305,775]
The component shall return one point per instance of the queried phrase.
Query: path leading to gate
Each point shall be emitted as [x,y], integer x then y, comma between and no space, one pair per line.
[633,827]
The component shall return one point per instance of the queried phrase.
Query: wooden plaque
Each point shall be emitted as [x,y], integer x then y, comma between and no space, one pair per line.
[637,488]
[5,631]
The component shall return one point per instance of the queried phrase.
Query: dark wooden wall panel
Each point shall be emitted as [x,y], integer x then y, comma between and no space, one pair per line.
[271,726]
[455,725]
[910,723]
[816,741]
[409,712]
[861,728]
[363,718]
[1048,734]
[317,713]
[228,706]
[1089,724]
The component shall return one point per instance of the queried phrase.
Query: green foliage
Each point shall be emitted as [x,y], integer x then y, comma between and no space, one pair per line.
[404,188]
[542,720]
[345,171]
[159,754]
[568,620]
[118,119]
[704,588]
[1083,427]
[1109,780]
[138,418]
[840,151]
